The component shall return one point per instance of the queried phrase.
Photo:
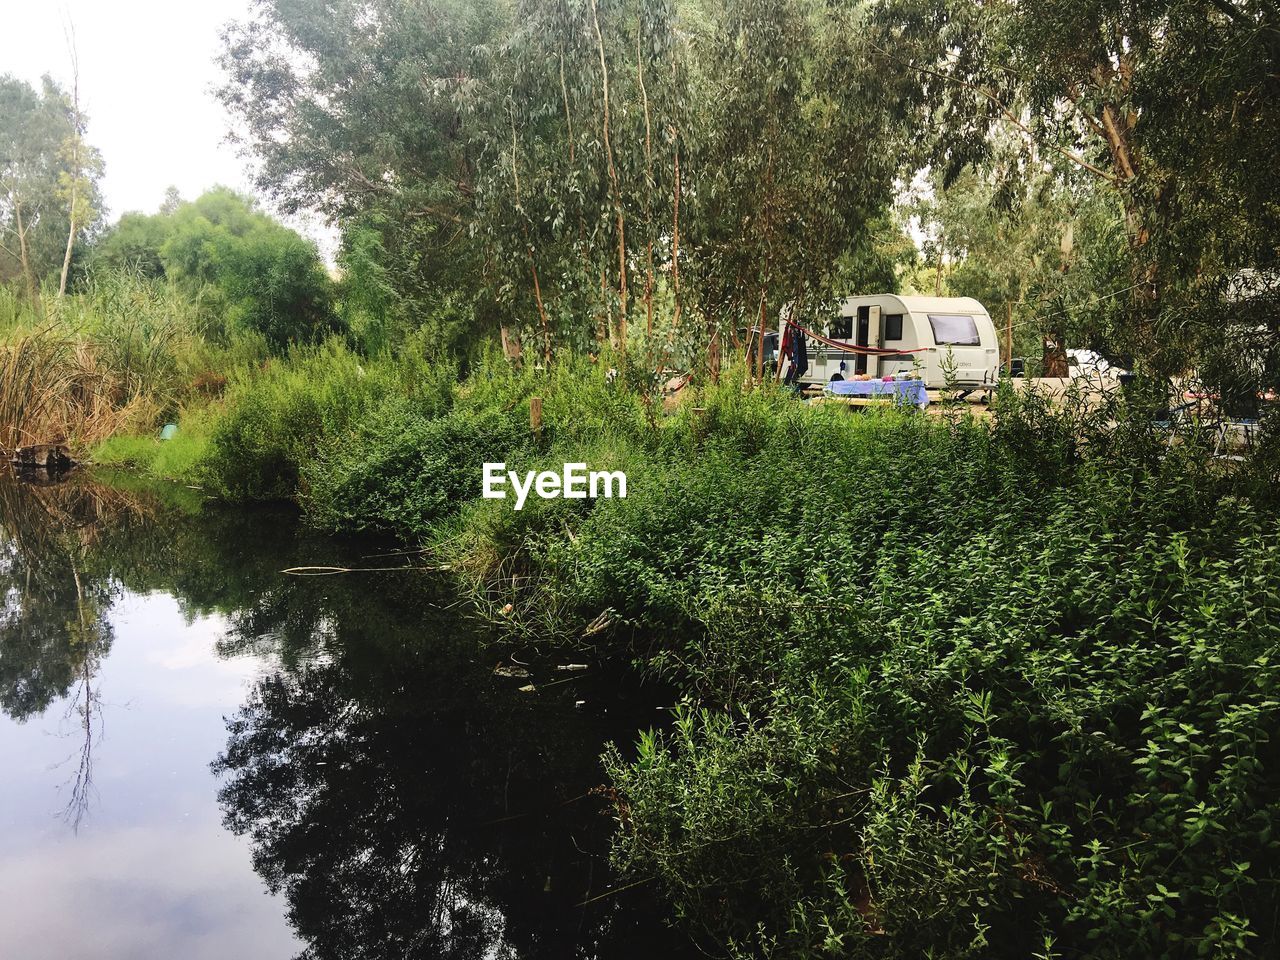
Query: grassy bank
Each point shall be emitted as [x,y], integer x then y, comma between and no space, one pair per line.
[113,359]
[951,688]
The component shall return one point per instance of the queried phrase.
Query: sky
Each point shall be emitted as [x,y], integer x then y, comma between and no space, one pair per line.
[151,871]
[147,73]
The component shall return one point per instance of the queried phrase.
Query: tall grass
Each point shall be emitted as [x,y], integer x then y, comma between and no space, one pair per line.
[273,418]
[94,364]
[141,330]
[55,388]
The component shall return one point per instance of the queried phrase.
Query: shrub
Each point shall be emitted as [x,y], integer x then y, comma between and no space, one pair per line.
[944,713]
[401,471]
[274,419]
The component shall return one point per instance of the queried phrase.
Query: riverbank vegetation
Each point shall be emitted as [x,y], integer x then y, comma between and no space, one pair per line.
[951,686]
[971,686]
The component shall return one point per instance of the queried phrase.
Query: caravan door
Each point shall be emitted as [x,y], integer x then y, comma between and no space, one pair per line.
[868,333]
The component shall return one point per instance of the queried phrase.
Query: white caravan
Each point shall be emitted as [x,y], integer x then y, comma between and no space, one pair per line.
[922,331]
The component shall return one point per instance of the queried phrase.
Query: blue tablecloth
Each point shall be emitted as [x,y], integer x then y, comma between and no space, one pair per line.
[903,391]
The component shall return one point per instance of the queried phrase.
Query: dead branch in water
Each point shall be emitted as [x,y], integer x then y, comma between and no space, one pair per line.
[322,571]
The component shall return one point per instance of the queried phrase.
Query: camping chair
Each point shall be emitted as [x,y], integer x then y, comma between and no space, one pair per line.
[1237,434]
[1177,420]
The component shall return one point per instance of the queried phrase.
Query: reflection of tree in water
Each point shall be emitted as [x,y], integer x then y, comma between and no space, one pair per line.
[408,805]
[53,627]
[405,802]
[89,637]
[52,622]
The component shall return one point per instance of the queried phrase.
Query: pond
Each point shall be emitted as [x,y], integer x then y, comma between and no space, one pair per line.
[203,757]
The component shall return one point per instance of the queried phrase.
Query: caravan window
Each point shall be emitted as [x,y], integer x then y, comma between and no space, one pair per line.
[954,330]
[893,326]
[841,328]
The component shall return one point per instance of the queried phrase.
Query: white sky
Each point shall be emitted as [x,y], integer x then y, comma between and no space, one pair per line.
[147,72]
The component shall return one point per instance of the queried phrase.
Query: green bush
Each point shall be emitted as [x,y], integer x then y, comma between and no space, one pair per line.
[401,471]
[933,708]
[415,463]
[275,418]
[946,715]
[248,272]
[141,329]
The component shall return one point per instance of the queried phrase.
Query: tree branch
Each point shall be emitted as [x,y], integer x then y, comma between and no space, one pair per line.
[1004,110]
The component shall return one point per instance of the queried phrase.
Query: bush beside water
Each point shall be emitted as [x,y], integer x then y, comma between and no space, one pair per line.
[951,688]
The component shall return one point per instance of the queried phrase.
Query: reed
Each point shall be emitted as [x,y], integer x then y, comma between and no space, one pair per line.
[54,388]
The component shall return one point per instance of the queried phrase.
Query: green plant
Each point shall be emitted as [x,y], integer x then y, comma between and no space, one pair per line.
[399,471]
[274,418]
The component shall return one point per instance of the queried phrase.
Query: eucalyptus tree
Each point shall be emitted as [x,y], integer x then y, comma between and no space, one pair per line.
[44,161]
[544,198]
[376,114]
[795,155]
[24,153]
[82,167]
[1032,245]
[575,167]
[582,196]
[1168,105]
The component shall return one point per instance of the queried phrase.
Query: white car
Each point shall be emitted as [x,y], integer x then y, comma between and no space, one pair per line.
[1091,365]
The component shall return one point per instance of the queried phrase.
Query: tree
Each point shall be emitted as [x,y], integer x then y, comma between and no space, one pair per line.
[795,162]
[82,167]
[581,168]
[579,197]
[134,242]
[257,273]
[43,160]
[1168,106]
[270,278]
[1036,249]
[377,129]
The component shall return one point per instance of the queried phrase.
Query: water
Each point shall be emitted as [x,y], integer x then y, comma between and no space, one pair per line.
[201,757]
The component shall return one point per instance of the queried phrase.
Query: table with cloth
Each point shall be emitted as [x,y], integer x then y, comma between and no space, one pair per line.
[910,392]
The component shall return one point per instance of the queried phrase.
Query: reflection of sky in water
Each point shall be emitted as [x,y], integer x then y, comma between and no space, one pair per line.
[152,872]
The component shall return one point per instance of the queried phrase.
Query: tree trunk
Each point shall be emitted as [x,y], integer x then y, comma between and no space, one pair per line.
[675,208]
[1055,356]
[1115,124]
[764,300]
[613,181]
[76,168]
[648,194]
[675,241]
[510,342]
[33,291]
[71,239]
[528,245]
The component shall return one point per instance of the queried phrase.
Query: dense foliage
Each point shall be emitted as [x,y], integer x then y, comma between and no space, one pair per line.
[583,170]
[930,706]
[248,272]
[577,171]
[1159,107]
